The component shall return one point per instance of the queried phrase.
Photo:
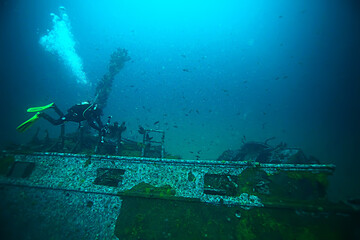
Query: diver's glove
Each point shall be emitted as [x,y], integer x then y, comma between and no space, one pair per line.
[141,130]
[104,130]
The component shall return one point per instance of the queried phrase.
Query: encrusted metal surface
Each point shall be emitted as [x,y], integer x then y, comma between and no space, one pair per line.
[78,172]
[33,213]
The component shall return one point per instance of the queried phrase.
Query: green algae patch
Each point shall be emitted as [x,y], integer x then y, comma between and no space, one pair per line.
[145,218]
[298,185]
[150,218]
[147,190]
[5,163]
[248,179]
[283,185]
[314,178]
[317,183]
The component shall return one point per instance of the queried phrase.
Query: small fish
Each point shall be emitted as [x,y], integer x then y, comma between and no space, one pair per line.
[141,130]
[156,122]
[243,140]
[185,70]
[197,111]
[175,126]
[191,152]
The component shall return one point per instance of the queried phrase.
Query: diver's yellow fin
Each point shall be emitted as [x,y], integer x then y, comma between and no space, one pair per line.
[27,124]
[38,109]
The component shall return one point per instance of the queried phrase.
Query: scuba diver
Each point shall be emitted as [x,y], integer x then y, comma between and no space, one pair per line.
[84,111]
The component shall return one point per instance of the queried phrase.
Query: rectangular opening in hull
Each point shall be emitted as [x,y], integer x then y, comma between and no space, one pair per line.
[21,169]
[215,184]
[109,177]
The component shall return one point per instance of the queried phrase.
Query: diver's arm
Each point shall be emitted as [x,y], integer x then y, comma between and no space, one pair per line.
[94,126]
[97,124]
[98,121]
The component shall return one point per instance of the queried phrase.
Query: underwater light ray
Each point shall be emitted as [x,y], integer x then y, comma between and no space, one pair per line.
[59,40]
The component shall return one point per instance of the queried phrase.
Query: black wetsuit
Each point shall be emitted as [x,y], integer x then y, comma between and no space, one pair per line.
[78,113]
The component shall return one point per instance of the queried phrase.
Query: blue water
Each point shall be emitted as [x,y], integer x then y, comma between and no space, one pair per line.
[211,72]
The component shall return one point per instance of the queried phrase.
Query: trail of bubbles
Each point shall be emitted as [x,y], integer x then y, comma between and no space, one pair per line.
[59,40]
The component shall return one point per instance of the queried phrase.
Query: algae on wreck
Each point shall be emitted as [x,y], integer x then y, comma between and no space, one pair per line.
[5,164]
[146,218]
[145,189]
